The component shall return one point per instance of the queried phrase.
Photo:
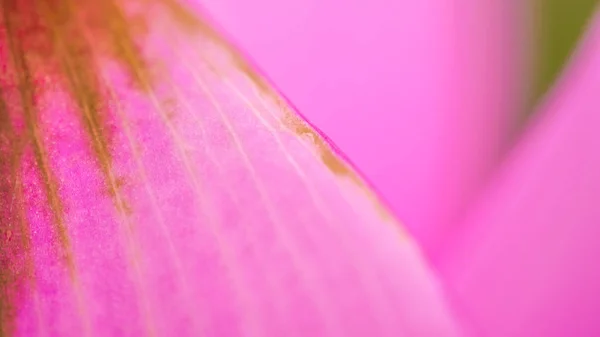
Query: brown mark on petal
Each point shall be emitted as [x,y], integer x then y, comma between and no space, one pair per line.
[10,250]
[25,82]
[26,92]
[78,67]
[41,41]
[16,259]
[333,161]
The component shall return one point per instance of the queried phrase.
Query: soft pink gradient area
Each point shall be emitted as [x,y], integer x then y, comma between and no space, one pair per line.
[526,263]
[421,95]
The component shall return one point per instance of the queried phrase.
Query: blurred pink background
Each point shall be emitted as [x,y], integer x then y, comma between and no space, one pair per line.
[421,95]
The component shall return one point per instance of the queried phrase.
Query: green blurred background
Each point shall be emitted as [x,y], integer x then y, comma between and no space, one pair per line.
[559,25]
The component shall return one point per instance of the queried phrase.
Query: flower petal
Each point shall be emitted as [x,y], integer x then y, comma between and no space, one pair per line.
[158,186]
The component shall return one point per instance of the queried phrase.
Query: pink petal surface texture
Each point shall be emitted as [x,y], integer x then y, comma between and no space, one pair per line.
[526,262]
[423,96]
[210,209]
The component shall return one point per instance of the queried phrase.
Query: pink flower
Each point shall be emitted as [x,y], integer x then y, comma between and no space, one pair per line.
[154,184]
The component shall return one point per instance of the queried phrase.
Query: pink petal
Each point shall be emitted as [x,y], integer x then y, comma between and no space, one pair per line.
[422,95]
[526,263]
[204,207]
